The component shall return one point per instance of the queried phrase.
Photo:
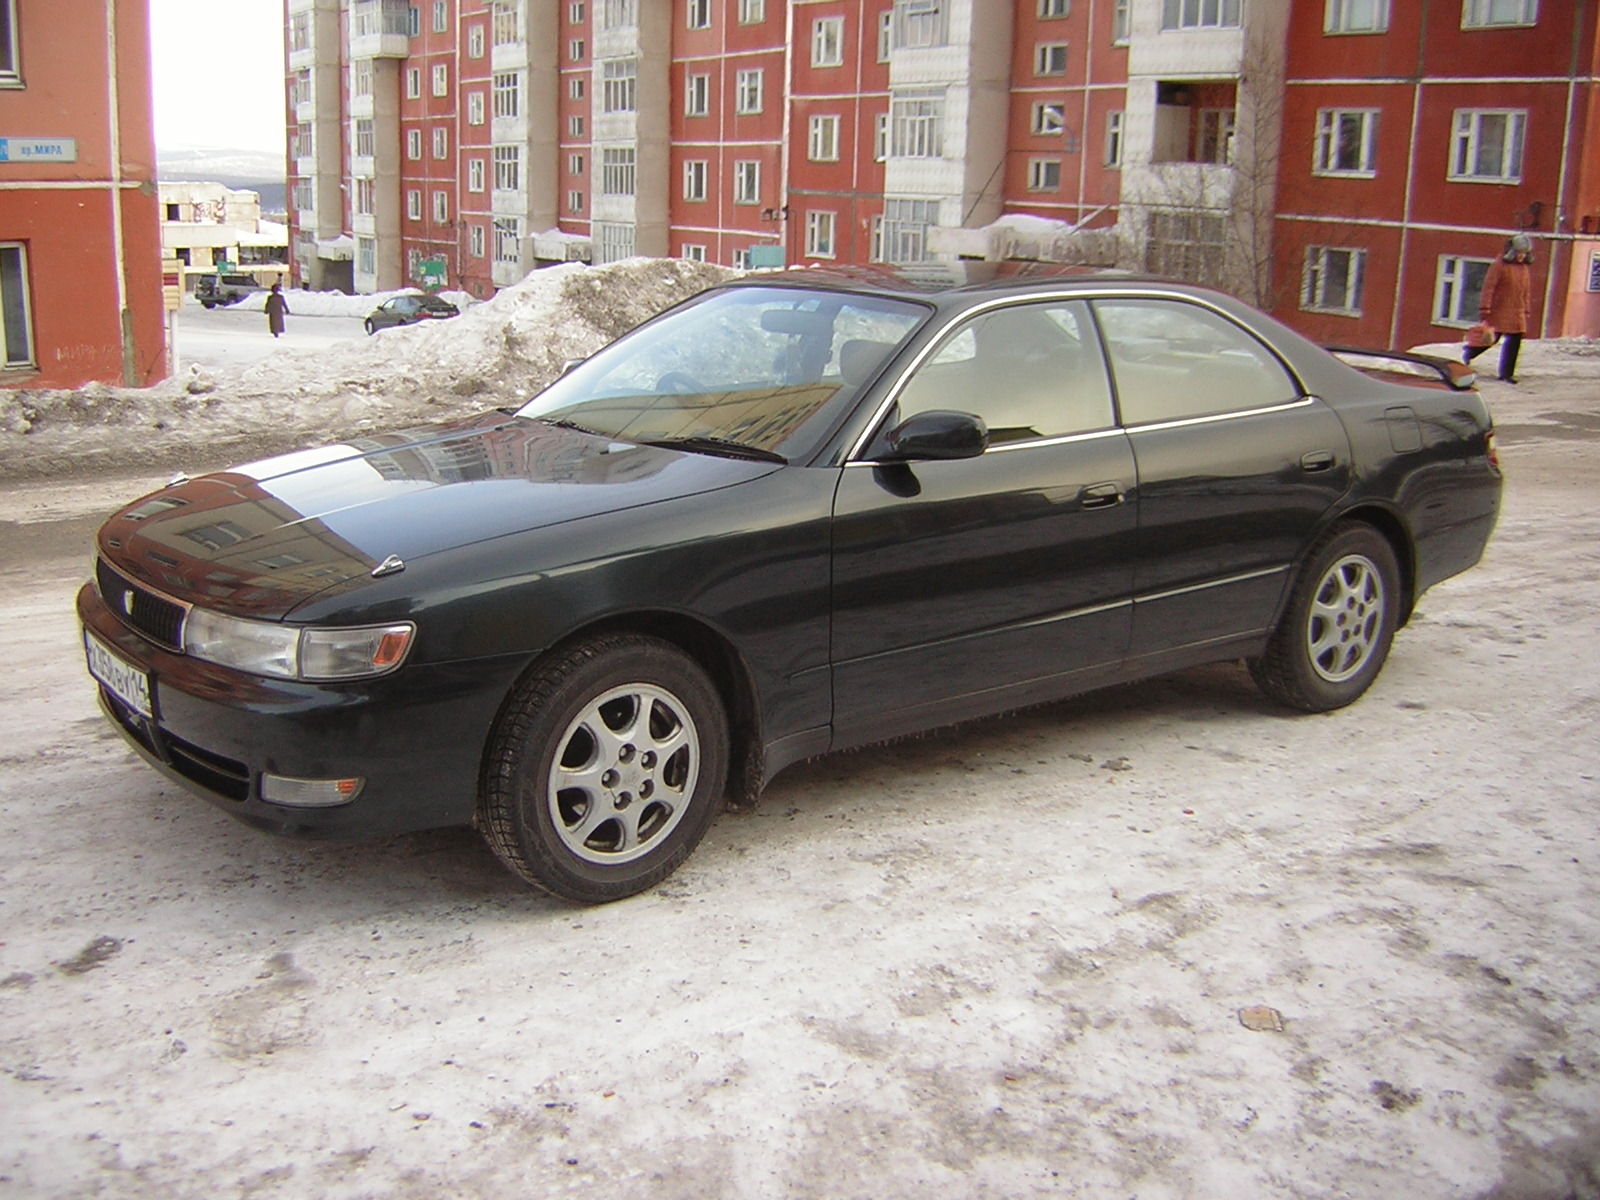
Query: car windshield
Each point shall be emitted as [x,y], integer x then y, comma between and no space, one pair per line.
[768,368]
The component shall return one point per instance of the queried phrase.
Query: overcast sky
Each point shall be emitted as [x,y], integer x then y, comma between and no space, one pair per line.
[218,71]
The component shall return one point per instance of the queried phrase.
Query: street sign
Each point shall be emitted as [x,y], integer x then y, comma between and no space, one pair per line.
[172,283]
[765,257]
[38,150]
[431,271]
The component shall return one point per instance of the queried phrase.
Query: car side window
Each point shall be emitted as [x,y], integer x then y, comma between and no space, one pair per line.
[1029,370]
[1172,361]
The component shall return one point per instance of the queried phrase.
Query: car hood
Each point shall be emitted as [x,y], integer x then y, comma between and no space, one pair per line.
[262,538]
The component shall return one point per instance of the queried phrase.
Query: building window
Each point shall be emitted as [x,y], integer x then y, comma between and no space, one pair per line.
[618,79]
[1488,145]
[741,260]
[747,181]
[1050,58]
[1121,21]
[575,87]
[507,239]
[1049,117]
[441,79]
[474,108]
[1488,14]
[751,12]
[475,233]
[507,168]
[304,143]
[885,34]
[1458,289]
[694,179]
[441,16]
[1114,138]
[507,22]
[919,23]
[1333,280]
[507,94]
[413,22]
[699,15]
[748,92]
[1055,8]
[413,83]
[441,207]
[365,141]
[414,204]
[613,241]
[902,235]
[414,144]
[1356,16]
[617,14]
[575,50]
[474,174]
[819,234]
[299,33]
[693,252]
[1199,14]
[575,201]
[361,77]
[880,137]
[16,323]
[827,42]
[299,86]
[475,50]
[1347,141]
[366,197]
[575,126]
[1044,175]
[1186,245]
[616,170]
[917,120]
[575,12]
[697,95]
[1215,136]
[824,139]
[441,142]
[574,164]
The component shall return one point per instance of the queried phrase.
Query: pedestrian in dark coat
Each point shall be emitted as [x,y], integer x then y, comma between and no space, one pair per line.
[1506,303]
[277,310]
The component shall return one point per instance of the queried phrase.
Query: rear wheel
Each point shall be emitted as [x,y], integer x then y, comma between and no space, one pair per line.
[1336,631]
[606,769]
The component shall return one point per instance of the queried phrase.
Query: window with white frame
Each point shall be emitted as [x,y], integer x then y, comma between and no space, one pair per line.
[1491,14]
[616,14]
[1044,174]
[1333,280]
[618,84]
[1121,21]
[414,203]
[507,168]
[575,12]
[16,319]
[693,251]
[366,197]
[574,164]
[507,22]
[819,234]
[747,181]
[741,259]
[694,179]
[507,239]
[1487,144]
[575,50]
[575,87]
[885,34]
[917,124]
[747,91]
[475,41]
[414,144]
[475,240]
[698,14]
[304,194]
[617,170]
[474,174]
[823,138]
[696,95]
[413,83]
[880,137]
[1055,8]
[299,34]
[1347,142]
[1356,16]
[441,79]
[613,241]
[903,232]
[1050,58]
[1214,142]
[367,255]
[575,200]
[1199,14]
[1186,244]
[365,141]
[361,77]
[1049,116]
[441,207]
[1114,138]
[441,15]
[441,142]
[1457,290]
[305,144]
[919,23]
[474,108]
[827,42]
[299,83]
[751,12]
[507,87]
[575,125]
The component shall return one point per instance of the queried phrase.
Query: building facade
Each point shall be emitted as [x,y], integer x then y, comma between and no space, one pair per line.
[80,251]
[1351,165]
[209,227]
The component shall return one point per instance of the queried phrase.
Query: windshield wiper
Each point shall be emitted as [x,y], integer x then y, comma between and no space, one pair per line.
[715,445]
[563,423]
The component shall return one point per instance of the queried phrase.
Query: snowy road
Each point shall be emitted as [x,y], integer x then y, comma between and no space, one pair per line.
[233,337]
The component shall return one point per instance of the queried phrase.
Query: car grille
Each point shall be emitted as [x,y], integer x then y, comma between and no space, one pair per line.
[159,619]
[226,777]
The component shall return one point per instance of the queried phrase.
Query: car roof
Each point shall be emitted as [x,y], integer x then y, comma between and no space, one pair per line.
[927,281]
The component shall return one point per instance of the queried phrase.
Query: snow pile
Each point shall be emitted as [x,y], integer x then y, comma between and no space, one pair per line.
[497,352]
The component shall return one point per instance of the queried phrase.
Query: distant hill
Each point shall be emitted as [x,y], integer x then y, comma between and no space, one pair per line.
[254,170]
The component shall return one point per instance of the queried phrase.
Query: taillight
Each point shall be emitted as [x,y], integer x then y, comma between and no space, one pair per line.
[1490,450]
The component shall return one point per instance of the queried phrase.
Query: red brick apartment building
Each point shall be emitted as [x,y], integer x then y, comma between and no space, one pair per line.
[80,234]
[1353,165]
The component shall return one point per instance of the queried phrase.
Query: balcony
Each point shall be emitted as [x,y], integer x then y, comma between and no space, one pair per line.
[380,29]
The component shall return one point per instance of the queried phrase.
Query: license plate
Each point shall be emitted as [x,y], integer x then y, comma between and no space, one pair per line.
[126,681]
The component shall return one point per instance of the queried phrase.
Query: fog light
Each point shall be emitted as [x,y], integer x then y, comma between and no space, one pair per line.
[309,793]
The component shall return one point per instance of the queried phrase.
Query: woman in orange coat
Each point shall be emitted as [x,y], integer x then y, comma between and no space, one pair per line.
[1506,303]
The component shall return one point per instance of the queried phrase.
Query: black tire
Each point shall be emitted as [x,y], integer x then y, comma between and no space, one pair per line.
[208,304]
[371,328]
[1338,625]
[635,730]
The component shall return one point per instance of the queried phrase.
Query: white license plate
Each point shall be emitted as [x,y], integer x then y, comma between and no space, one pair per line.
[129,683]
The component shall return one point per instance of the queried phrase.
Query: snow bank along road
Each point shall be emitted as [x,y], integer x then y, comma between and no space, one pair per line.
[1026,957]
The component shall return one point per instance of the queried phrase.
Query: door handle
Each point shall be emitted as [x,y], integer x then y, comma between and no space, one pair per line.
[1316,460]
[1100,495]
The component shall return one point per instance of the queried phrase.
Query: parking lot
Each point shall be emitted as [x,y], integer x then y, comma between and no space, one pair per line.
[1161,941]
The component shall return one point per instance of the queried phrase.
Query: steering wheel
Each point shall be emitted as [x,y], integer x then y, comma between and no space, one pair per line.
[679,383]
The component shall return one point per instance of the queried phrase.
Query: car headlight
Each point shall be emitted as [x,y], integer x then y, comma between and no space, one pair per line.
[296,652]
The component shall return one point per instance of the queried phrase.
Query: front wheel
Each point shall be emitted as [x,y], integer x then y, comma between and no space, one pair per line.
[605,769]
[371,328]
[1336,631]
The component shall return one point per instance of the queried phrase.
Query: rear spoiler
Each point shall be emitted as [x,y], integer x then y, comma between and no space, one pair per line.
[1457,376]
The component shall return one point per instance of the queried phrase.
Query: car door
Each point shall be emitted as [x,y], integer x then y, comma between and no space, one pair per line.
[965,586]
[1236,468]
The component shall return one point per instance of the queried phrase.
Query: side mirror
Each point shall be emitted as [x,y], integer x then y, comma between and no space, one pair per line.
[937,434]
